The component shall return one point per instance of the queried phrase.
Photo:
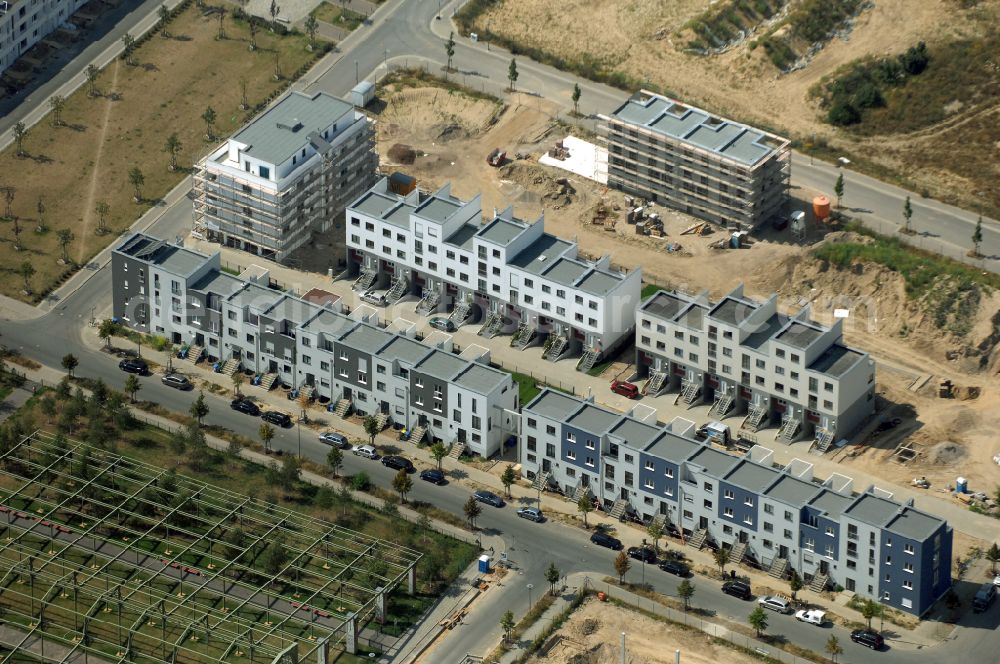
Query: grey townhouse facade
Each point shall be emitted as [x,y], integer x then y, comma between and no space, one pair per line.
[776,517]
[503,271]
[352,359]
[742,356]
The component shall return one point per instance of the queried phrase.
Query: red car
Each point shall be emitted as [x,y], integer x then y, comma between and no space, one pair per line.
[625,389]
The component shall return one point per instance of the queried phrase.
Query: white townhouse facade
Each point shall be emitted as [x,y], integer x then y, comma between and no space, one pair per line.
[507,273]
[24,23]
[742,355]
[772,516]
[285,176]
[352,360]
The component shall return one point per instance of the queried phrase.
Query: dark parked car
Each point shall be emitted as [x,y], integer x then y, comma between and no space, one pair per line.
[277,418]
[868,638]
[642,554]
[432,475]
[739,589]
[177,381]
[489,498]
[674,567]
[398,463]
[335,439]
[605,540]
[244,406]
[134,366]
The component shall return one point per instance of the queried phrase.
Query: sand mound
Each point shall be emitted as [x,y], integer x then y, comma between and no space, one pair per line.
[946,453]
[402,154]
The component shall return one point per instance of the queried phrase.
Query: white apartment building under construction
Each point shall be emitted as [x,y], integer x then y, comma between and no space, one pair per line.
[24,23]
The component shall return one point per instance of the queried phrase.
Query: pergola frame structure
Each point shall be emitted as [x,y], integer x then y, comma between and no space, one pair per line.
[122,561]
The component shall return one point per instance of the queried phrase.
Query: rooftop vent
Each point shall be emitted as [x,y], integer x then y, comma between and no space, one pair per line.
[541,258]
[293,127]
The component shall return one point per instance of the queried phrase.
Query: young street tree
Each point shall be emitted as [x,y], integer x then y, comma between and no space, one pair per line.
[993,555]
[655,532]
[199,409]
[977,237]
[449,50]
[253,35]
[27,271]
[70,363]
[128,44]
[512,73]
[402,484]
[371,428]
[507,625]
[209,118]
[238,380]
[576,98]
[244,103]
[274,10]
[838,188]
[65,237]
[58,104]
[507,478]
[552,575]
[172,146]
[685,590]
[335,459]
[870,609]
[137,180]
[622,566]
[132,385]
[439,452]
[107,330]
[311,25]
[907,215]
[472,511]
[92,73]
[721,557]
[40,209]
[833,648]
[20,131]
[584,506]
[266,433]
[222,23]
[758,620]
[164,15]
[794,583]
[102,209]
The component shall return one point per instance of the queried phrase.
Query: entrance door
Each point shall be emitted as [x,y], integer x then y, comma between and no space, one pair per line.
[783,551]
[384,407]
[702,522]
[824,567]
[624,494]
[585,480]
[744,538]
[347,393]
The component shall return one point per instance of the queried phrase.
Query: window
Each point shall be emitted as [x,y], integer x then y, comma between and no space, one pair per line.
[829,551]
[590,461]
[728,512]
[549,429]
[907,603]
[908,567]
[788,515]
[532,423]
[809,544]
[888,542]
[649,465]
[570,437]
[748,501]
[727,494]
[590,444]
[768,509]
[888,560]
[669,472]
[747,519]
[829,531]
[362,377]
[708,487]
[908,548]
[768,527]
[708,504]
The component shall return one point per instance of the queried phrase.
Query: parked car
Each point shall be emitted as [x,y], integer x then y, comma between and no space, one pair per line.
[739,589]
[644,554]
[433,475]
[674,567]
[605,540]
[811,616]
[374,297]
[778,604]
[335,439]
[366,451]
[177,381]
[996,580]
[489,498]
[134,366]
[868,638]
[398,463]
[531,514]
[625,389]
[984,598]
[887,425]
[244,406]
[442,323]
[277,418]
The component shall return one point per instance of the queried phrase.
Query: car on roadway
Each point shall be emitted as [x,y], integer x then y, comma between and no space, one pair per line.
[366,451]
[374,297]
[779,604]
[245,406]
[674,567]
[531,514]
[177,381]
[134,366]
[868,638]
[739,589]
[433,475]
[442,323]
[811,616]
[335,439]
[625,389]
[996,580]
[489,498]
[277,418]
[398,463]
[642,554]
[607,541]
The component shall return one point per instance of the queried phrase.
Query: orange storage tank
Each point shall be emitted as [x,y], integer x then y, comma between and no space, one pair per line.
[821,207]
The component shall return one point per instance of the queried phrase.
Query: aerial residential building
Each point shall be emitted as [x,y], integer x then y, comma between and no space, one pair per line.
[285,176]
[351,361]
[689,159]
[24,23]
[741,355]
[775,517]
[508,273]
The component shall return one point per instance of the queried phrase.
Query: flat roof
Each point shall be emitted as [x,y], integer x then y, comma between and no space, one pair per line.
[599,282]
[565,271]
[732,311]
[836,360]
[218,282]
[553,404]
[764,332]
[792,491]
[320,296]
[291,309]
[672,447]
[437,208]
[481,378]
[593,419]
[171,257]
[873,510]
[664,305]
[376,204]
[462,238]
[687,124]
[693,316]
[404,350]
[254,295]
[751,476]
[540,254]
[284,129]
[442,364]
[365,338]
[636,434]
[329,323]
[501,231]
[714,462]
[914,524]
[799,335]
[831,502]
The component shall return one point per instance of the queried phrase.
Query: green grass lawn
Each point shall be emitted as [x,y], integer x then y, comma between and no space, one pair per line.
[338,16]
[527,387]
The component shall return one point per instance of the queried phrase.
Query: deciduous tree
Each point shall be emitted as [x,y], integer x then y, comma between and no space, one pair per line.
[758,620]
[20,131]
[512,73]
[199,409]
[335,460]
[172,146]
[266,433]
[833,648]
[137,180]
[58,104]
[552,575]
[472,511]
[402,484]
[507,478]
[584,506]
[132,385]
[685,590]
[622,565]
[439,452]
[576,98]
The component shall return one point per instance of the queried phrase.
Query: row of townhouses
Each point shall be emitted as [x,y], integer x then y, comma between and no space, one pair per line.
[24,23]
[777,517]
[310,343]
[507,273]
[742,356]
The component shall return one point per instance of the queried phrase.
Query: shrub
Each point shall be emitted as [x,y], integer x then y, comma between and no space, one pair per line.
[843,114]
[868,96]
[361,482]
[914,61]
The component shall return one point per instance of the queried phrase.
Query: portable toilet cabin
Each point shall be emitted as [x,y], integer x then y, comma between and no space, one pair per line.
[961,485]
[484,564]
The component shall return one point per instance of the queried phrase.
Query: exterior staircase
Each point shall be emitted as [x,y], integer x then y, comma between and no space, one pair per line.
[698,539]
[541,481]
[823,440]
[492,324]
[588,360]
[365,281]
[661,521]
[460,312]
[556,348]
[690,392]
[456,450]
[382,419]
[754,417]
[580,491]
[722,405]
[786,434]
[618,509]
[429,302]
[818,583]
[654,385]
[778,568]
[417,434]
[194,353]
[525,333]
[268,381]
[230,367]
[397,289]
[342,408]
[737,552]
[306,391]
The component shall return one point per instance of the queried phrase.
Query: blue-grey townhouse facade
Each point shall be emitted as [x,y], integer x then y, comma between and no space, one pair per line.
[780,518]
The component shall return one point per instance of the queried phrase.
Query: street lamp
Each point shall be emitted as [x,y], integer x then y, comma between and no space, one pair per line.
[357,76]
[530,587]
[643,562]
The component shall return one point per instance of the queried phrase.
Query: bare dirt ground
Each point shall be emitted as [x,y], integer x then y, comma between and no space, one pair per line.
[645,40]
[593,632]
[451,135]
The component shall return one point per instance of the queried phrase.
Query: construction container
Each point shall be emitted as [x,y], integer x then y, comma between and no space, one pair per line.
[363,93]
[640,228]
[961,485]
[821,208]
[401,184]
